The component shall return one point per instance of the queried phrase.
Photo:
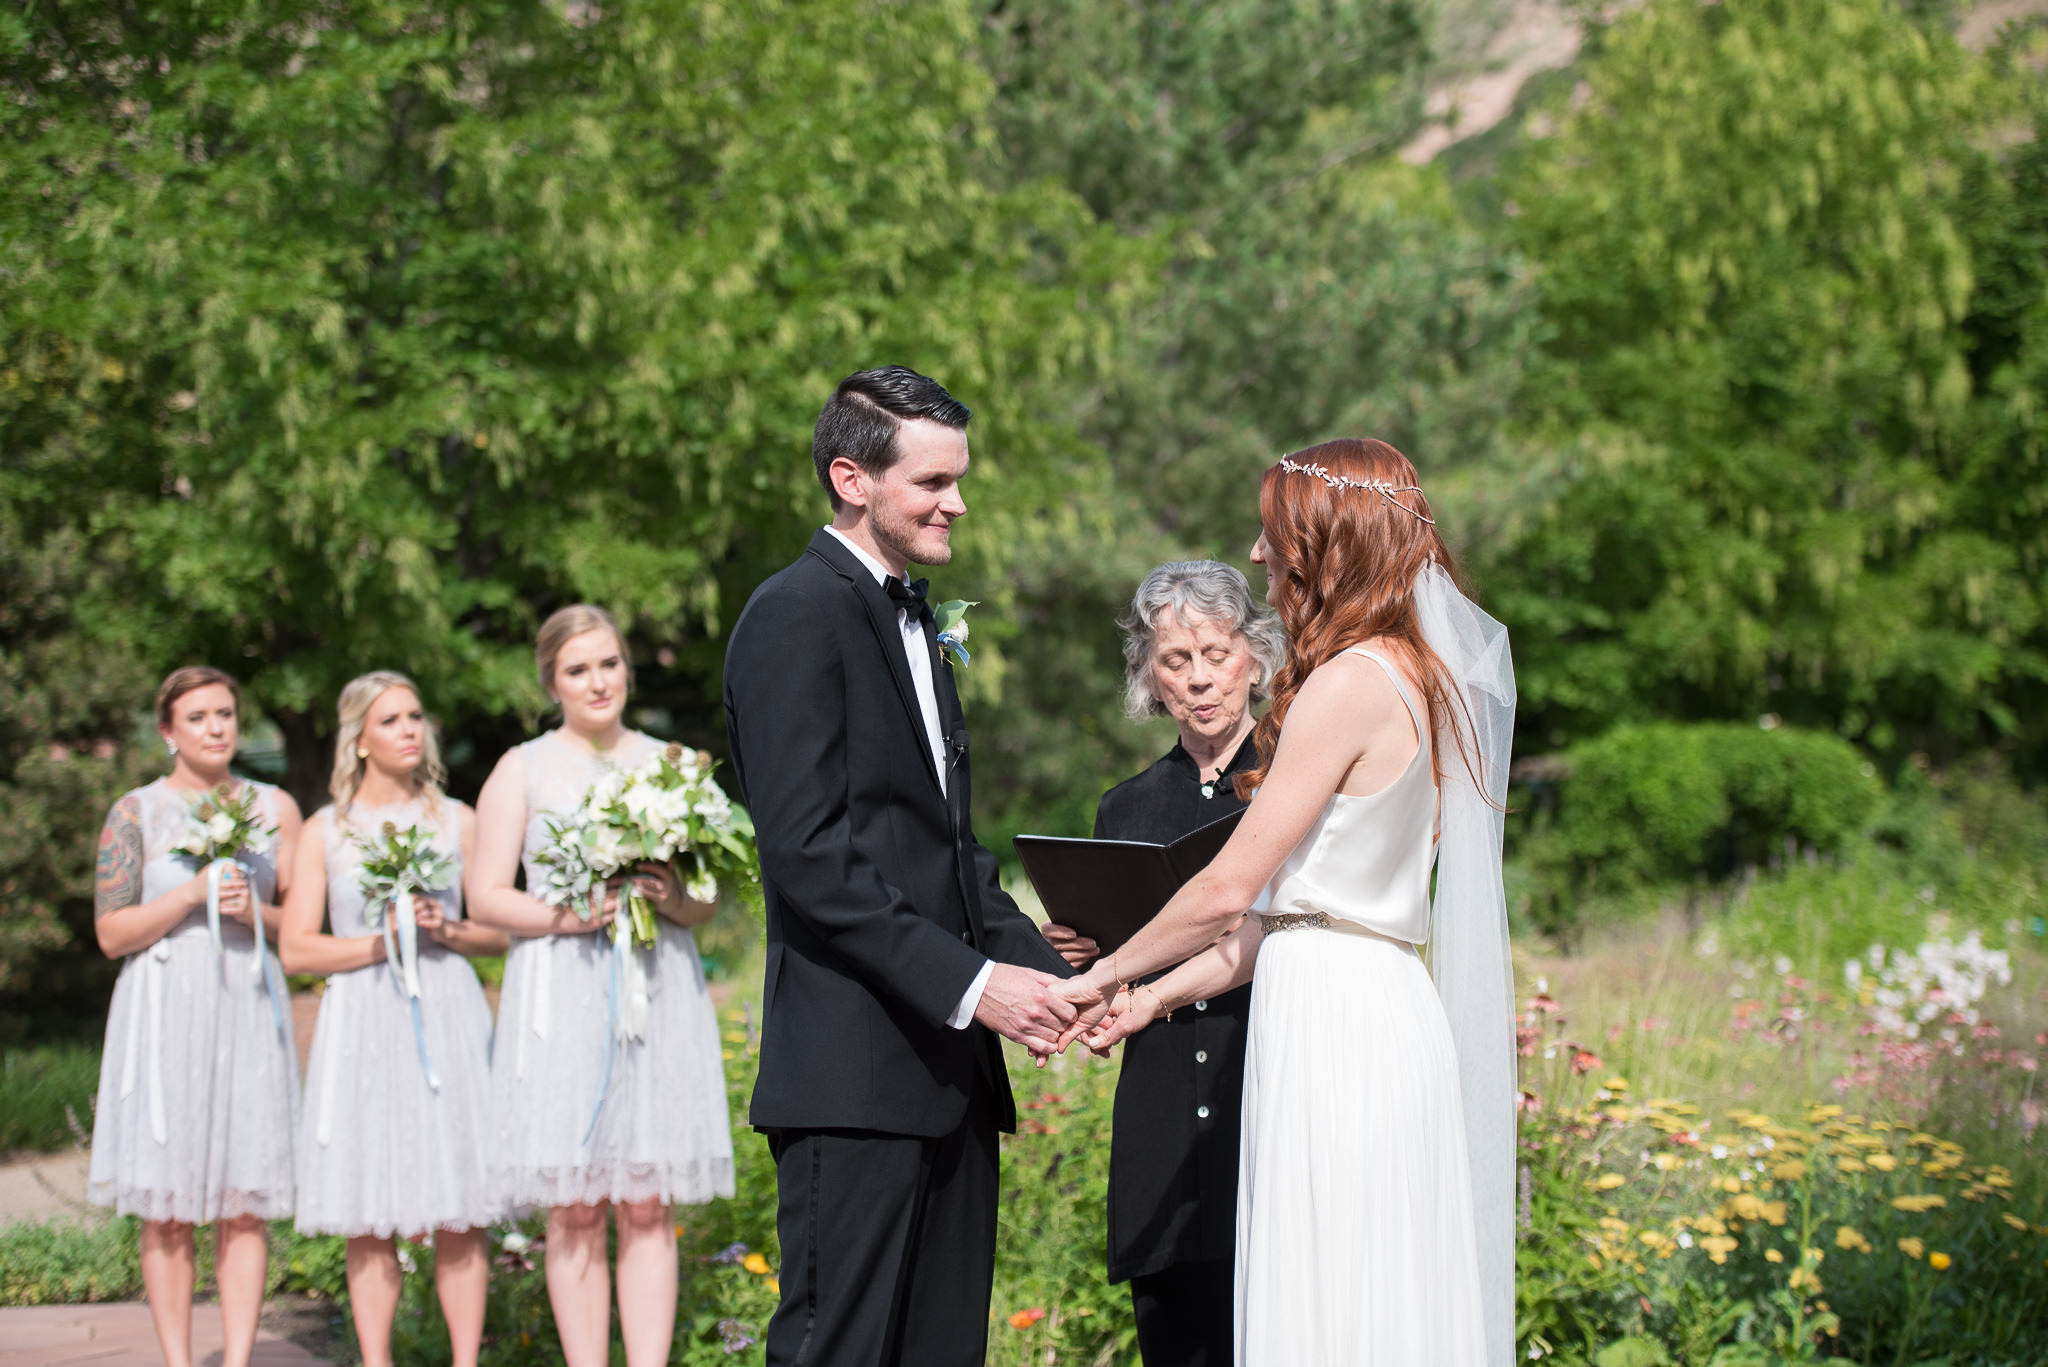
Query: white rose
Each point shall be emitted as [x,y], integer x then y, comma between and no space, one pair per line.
[714,807]
[640,799]
[607,850]
[661,851]
[219,827]
[958,630]
[702,888]
[194,844]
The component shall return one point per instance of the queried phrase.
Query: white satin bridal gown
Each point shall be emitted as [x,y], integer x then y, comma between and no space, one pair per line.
[1355,1237]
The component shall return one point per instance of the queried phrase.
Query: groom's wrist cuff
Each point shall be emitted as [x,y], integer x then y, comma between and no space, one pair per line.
[963,1014]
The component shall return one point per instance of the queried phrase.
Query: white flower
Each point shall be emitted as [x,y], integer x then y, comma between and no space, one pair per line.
[219,827]
[607,850]
[515,1241]
[714,806]
[959,630]
[194,843]
[702,888]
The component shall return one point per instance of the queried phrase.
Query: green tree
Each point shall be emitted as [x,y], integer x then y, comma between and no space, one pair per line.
[364,335]
[1789,256]
[67,750]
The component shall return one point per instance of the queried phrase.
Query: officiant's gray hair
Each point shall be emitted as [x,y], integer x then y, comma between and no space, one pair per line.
[1196,591]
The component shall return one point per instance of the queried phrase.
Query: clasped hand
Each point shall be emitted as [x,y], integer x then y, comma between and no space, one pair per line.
[1046,1014]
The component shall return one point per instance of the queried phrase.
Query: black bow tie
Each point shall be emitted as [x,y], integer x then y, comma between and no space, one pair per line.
[910,597]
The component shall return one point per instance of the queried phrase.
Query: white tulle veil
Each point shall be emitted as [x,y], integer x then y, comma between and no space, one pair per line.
[1468,945]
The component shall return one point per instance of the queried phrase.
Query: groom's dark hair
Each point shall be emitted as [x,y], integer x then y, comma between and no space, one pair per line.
[859,421]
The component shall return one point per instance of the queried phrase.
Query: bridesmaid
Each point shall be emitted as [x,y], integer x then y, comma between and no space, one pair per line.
[387,1153]
[199,1081]
[581,1122]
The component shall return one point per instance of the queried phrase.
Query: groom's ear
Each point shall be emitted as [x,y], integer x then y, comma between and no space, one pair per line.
[849,483]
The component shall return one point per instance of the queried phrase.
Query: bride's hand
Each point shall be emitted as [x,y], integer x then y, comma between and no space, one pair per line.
[1131,1013]
[1091,994]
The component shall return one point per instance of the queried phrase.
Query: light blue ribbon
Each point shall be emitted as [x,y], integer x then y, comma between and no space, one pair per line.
[622,945]
[266,967]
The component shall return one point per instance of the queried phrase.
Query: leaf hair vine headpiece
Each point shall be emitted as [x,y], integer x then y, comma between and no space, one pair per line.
[1385,488]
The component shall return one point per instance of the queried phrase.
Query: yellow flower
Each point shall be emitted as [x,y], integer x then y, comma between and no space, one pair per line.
[1820,1113]
[1667,1162]
[1918,1205]
[1789,1171]
[1938,1261]
[1718,1247]
[756,1264]
[1845,1237]
[774,1285]
[1774,1212]
[1608,1181]
[2016,1222]
[1851,1165]
[1614,1226]
[1803,1278]
[1771,1255]
[1912,1248]
[1707,1224]
[1616,1084]
[1883,1162]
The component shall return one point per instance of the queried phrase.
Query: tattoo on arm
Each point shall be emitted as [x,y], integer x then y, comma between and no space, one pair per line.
[117,881]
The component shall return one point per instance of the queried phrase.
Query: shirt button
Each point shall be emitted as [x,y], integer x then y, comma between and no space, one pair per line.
[1201,1112]
[1201,1006]
[1201,1055]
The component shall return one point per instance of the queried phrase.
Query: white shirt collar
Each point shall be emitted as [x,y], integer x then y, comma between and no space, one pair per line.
[875,567]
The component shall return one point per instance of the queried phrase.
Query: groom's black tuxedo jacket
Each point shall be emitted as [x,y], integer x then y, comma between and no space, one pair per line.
[882,906]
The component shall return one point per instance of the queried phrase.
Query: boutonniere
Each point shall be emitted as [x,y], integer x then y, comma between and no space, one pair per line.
[949,619]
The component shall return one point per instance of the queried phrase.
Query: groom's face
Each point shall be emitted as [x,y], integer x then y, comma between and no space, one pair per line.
[912,505]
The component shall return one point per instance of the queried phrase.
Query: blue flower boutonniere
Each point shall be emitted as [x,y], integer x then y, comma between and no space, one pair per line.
[949,619]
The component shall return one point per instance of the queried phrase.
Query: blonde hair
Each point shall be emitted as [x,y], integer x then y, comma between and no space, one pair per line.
[354,709]
[179,682]
[564,625]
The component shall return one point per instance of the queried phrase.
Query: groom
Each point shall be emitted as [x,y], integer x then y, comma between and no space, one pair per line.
[895,959]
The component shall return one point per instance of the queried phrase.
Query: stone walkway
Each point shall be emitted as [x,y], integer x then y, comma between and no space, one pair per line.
[120,1335]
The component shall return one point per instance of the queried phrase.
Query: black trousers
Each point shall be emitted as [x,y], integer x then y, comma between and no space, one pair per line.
[1185,1313]
[888,1247]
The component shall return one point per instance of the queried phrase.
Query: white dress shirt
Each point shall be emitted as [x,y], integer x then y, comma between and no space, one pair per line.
[920,658]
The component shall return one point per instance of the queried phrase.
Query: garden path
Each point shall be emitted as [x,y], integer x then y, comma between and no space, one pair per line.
[119,1335]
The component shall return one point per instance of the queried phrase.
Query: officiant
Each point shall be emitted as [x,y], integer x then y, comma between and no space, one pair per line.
[1200,648]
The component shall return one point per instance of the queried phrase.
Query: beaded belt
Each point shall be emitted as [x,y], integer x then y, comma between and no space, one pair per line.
[1297,920]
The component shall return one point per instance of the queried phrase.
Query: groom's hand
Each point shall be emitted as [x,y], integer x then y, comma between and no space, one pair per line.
[1019,1004]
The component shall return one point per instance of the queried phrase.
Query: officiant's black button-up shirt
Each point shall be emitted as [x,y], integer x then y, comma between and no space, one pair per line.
[1173,1158]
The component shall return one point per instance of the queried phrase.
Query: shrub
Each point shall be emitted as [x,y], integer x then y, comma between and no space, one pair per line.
[1665,802]
[46,1096]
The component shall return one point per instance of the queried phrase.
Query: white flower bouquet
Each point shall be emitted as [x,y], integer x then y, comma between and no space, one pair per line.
[396,865]
[668,810]
[221,825]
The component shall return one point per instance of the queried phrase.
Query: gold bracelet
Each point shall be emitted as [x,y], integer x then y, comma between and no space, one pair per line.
[1159,999]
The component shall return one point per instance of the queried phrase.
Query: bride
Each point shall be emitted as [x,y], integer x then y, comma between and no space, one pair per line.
[1375,1220]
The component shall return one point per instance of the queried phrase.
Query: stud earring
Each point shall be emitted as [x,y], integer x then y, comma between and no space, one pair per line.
[362,754]
[172,747]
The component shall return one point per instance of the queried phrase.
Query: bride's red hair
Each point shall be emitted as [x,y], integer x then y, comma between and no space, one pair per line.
[1343,563]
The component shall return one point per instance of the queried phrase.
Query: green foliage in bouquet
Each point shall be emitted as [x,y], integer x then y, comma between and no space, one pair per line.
[223,823]
[395,859]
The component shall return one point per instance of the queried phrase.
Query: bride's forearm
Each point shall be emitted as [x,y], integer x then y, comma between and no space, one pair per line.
[1200,912]
[1217,969]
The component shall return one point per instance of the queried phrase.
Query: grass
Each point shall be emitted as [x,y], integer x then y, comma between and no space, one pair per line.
[46,1096]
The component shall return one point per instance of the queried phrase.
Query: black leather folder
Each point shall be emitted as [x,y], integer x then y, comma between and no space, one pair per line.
[1106,889]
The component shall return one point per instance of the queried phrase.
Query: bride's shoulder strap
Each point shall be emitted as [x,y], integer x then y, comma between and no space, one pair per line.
[1393,674]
